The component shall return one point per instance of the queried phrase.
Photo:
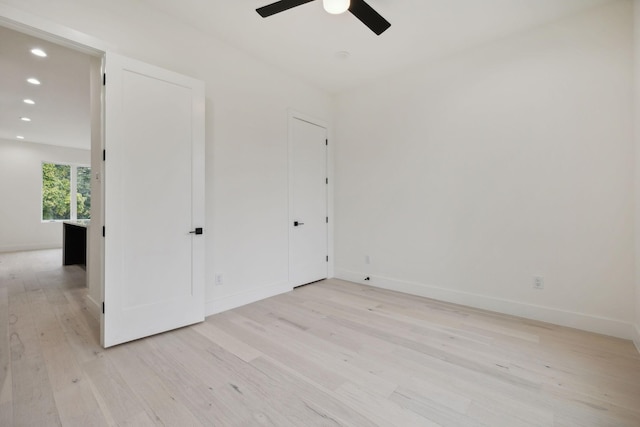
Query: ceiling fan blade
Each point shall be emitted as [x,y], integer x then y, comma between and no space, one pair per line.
[279,6]
[368,16]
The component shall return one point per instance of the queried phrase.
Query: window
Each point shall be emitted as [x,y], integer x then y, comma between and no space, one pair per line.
[66,192]
[83,192]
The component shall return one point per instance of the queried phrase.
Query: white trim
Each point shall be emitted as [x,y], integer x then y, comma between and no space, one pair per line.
[636,336]
[45,29]
[73,190]
[93,307]
[30,247]
[601,325]
[228,302]
[291,115]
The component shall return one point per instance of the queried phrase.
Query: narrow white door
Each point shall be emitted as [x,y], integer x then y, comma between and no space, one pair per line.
[154,200]
[309,230]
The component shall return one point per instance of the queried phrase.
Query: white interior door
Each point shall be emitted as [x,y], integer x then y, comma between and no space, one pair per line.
[308,256]
[154,198]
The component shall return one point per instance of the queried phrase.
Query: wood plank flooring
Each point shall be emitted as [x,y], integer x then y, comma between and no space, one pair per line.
[329,354]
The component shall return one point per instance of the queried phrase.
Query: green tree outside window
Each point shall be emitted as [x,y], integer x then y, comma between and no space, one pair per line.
[83,194]
[57,192]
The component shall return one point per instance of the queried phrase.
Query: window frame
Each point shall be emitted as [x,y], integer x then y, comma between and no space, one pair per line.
[73,189]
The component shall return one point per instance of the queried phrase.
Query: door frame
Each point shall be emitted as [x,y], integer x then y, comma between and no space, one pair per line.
[297,115]
[50,31]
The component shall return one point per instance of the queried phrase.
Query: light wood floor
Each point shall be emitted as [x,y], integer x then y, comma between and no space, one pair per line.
[328,354]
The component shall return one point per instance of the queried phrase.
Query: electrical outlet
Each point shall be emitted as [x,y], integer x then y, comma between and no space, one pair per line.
[219,279]
[367,259]
[538,282]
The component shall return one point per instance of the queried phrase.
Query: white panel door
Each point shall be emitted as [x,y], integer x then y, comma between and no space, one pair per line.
[308,228]
[154,198]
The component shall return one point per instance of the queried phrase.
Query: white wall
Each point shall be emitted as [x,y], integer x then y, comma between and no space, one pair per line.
[21,226]
[246,135]
[465,177]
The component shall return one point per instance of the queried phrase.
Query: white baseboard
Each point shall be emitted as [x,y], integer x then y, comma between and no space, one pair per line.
[229,302]
[636,336]
[597,324]
[32,247]
[94,308]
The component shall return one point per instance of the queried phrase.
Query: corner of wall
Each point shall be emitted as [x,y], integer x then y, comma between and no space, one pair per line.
[93,307]
[636,337]
[228,302]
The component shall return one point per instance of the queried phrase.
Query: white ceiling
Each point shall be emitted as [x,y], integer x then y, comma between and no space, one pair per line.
[60,115]
[302,41]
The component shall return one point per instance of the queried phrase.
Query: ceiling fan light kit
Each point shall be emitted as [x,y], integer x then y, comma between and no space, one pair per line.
[358,8]
[335,7]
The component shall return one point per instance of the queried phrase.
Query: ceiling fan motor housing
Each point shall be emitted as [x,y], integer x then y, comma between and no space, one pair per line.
[358,8]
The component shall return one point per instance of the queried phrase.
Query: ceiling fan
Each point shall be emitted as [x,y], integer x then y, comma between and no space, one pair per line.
[359,8]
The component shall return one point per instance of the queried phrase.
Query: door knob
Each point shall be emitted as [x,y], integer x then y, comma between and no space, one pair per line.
[297,223]
[196,231]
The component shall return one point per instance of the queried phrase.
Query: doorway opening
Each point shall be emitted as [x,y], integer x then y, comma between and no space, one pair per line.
[162,151]
[50,123]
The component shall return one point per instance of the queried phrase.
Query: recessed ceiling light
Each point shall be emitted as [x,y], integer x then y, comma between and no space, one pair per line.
[33,81]
[20,137]
[39,52]
[25,119]
[29,101]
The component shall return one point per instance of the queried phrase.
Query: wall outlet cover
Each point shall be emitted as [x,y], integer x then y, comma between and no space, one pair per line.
[538,282]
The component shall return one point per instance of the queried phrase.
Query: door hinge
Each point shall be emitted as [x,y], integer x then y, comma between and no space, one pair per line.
[327,220]
[104,155]
[102,307]
[326,180]
[327,258]
[103,231]
[104,79]
[326,142]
